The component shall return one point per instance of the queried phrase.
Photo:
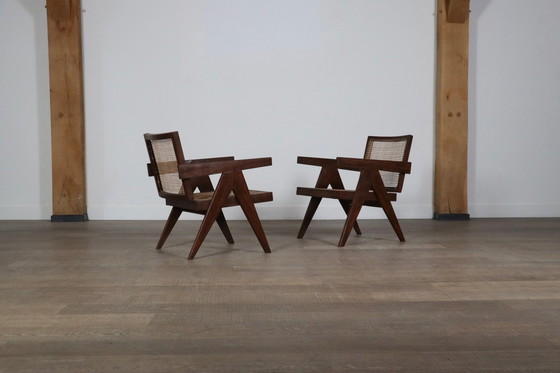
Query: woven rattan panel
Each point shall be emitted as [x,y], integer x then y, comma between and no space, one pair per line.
[386,151]
[166,162]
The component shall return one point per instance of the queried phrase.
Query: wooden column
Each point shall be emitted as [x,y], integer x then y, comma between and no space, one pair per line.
[67,110]
[450,187]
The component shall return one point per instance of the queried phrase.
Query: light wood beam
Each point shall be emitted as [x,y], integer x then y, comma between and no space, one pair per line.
[67,110]
[457,10]
[450,186]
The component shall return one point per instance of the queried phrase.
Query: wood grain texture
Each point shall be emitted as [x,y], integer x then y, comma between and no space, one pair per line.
[476,296]
[450,185]
[457,10]
[67,107]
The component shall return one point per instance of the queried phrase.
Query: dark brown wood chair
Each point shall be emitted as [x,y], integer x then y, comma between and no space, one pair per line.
[177,181]
[382,172]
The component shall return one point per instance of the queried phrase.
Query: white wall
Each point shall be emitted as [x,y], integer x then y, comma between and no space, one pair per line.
[282,78]
[25,161]
[254,78]
[514,108]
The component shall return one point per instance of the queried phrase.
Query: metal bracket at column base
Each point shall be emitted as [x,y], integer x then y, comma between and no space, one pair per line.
[69,218]
[451,216]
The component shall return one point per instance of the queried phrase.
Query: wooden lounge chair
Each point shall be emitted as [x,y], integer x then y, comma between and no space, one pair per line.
[382,172]
[177,181]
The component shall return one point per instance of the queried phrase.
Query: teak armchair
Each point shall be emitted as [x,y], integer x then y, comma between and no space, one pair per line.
[178,179]
[382,172]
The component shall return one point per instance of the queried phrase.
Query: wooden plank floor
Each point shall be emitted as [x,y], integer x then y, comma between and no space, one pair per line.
[475,296]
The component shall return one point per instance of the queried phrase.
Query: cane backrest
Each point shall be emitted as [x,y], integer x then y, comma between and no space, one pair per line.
[165,153]
[394,148]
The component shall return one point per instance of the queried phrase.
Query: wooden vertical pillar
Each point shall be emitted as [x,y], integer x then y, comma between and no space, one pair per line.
[67,110]
[450,186]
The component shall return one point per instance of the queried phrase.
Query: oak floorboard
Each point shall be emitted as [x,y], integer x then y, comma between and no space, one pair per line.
[475,296]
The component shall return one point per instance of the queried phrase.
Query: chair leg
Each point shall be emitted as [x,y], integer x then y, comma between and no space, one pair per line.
[336,182]
[328,175]
[353,213]
[346,207]
[246,202]
[311,208]
[220,195]
[383,199]
[357,203]
[393,220]
[204,184]
[169,224]
[222,223]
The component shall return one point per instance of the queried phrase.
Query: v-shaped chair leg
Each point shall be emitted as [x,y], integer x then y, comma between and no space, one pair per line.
[205,185]
[327,176]
[383,199]
[322,182]
[311,208]
[247,205]
[336,182]
[223,189]
[346,205]
[222,223]
[169,224]
[359,198]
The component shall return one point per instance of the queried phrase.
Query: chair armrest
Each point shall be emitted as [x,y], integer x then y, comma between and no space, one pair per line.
[194,169]
[313,161]
[217,159]
[358,164]
[151,171]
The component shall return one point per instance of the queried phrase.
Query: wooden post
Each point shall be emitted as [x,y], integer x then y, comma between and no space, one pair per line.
[67,110]
[450,186]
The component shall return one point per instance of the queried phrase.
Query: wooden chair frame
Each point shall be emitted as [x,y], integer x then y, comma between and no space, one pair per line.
[231,190]
[370,189]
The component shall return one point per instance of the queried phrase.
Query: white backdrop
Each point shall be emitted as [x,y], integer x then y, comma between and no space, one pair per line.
[282,78]
[514,108]
[25,150]
[254,78]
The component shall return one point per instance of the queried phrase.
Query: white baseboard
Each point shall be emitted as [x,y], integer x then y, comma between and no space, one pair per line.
[267,212]
[515,210]
[25,212]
